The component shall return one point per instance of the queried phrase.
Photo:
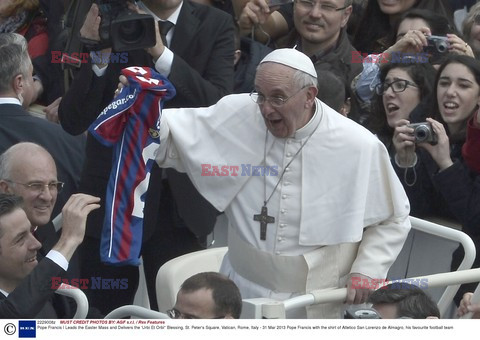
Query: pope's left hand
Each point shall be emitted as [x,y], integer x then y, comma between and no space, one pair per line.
[357,291]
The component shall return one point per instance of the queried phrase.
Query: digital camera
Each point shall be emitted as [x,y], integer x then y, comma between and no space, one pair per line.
[437,45]
[361,313]
[423,133]
[123,29]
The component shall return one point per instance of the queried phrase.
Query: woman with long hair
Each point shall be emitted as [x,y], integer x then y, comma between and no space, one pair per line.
[404,92]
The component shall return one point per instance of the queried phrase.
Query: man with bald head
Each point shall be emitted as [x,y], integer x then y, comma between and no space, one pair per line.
[311,197]
[29,171]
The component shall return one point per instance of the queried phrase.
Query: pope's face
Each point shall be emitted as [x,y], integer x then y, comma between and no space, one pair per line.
[276,80]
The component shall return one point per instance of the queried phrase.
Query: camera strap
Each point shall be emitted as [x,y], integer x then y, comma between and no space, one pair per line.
[74,20]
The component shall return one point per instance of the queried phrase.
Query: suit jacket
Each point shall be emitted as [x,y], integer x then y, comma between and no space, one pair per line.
[202,73]
[48,237]
[35,298]
[17,125]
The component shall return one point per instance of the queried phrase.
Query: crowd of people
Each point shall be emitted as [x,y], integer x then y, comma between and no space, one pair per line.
[317,127]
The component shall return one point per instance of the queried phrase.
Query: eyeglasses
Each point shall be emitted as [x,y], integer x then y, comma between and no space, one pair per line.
[37,187]
[176,314]
[275,101]
[398,85]
[324,7]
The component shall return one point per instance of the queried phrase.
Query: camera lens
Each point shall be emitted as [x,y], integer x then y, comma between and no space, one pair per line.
[442,46]
[421,133]
[132,31]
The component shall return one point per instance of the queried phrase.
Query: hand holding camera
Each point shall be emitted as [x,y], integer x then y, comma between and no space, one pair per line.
[423,133]
[411,42]
[438,46]
[113,23]
[89,30]
[429,135]
[404,143]
[440,151]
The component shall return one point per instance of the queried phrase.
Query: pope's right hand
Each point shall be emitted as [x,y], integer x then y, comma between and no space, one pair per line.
[122,82]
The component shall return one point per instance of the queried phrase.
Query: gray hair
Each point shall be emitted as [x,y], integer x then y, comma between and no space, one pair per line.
[302,79]
[14,57]
[5,168]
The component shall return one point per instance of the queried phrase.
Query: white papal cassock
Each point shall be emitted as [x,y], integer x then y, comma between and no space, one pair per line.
[338,209]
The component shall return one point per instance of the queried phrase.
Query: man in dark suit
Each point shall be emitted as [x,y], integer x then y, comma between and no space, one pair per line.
[25,284]
[199,63]
[17,125]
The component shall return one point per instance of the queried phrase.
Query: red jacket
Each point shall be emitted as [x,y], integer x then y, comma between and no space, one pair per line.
[471,147]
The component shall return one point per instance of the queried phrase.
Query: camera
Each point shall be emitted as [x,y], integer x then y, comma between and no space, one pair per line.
[437,45]
[423,133]
[123,29]
[361,313]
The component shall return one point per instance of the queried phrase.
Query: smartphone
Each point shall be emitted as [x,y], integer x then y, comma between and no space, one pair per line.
[272,3]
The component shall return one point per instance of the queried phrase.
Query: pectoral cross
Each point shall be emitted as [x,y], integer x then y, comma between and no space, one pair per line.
[264,219]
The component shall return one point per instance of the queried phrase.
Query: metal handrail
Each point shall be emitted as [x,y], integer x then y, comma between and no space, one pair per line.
[277,309]
[453,235]
[80,299]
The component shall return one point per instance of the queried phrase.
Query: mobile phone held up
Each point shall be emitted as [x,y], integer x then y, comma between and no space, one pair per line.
[273,3]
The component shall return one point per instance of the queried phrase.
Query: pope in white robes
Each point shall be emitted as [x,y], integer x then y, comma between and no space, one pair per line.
[332,205]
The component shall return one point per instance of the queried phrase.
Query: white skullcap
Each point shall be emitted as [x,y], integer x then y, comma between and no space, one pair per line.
[292,58]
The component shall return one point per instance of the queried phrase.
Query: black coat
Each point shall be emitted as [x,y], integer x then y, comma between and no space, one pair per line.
[17,125]
[202,73]
[35,298]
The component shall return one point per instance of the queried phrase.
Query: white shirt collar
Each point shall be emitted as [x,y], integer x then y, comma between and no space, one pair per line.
[172,18]
[312,124]
[3,292]
[10,100]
